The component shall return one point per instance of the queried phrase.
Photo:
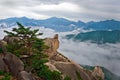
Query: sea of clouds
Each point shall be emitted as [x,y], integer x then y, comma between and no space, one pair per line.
[85,53]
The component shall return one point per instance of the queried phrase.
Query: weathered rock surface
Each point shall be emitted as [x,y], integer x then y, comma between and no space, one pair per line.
[23,75]
[11,40]
[11,63]
[15,65]
[3,66]
[71,70]
[53,44]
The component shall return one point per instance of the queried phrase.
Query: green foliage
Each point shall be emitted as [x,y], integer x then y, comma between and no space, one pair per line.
[2,72]
[67,78]
[6,75]
[78,76]
[27,38]
[47,74]
[23,32]
[1,50]
[15,48]
[43,70]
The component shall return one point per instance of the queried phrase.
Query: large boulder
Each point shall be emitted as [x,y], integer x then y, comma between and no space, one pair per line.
[23,75]
[72,70]
[11,40]
[3,66]
[15,65]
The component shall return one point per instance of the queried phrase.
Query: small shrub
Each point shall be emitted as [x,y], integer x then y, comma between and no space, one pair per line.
[7,76]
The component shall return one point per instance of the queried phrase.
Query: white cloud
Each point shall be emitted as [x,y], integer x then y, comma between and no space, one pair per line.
[85,10]
[57,7]
[106,55]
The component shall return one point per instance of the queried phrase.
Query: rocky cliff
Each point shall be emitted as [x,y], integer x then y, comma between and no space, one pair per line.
[11,63]
[59,62]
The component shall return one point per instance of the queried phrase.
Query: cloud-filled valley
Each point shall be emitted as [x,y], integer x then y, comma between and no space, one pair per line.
[85,53]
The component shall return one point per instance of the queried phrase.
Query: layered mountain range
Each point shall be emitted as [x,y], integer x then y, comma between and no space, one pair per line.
[62,24]
[103,32]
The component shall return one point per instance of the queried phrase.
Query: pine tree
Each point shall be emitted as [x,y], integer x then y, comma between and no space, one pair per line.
[29,44]
[27,38]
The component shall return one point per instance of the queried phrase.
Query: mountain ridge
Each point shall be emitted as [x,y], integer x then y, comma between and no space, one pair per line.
[62,24]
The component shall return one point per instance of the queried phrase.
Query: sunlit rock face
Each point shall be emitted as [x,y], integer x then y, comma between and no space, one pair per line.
[53,44]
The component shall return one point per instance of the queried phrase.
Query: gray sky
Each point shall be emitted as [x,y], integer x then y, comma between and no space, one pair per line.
[84,10]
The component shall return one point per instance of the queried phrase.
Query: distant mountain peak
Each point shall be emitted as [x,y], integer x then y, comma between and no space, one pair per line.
[63,24]
[53,18]
[56,18]
[24,17]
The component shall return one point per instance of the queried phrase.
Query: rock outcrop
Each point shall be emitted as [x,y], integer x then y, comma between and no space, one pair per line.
[53,44]
[11,63]
[67,67]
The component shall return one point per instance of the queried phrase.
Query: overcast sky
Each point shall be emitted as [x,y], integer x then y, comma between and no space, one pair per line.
[85,10]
